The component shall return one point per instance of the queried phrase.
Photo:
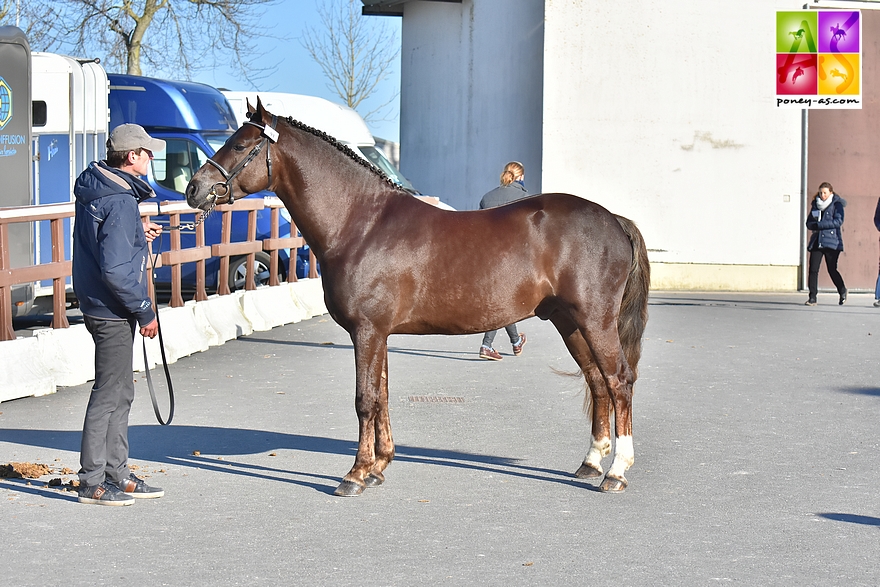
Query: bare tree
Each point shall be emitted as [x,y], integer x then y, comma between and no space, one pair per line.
[354,52]
[34,18]
[171,37]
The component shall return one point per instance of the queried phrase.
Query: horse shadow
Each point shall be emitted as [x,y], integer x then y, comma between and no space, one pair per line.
[868,391]
[453,355]
[182,446]
[851,518]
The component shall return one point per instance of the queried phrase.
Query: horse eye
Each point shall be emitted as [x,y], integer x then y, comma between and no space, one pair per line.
[239,148]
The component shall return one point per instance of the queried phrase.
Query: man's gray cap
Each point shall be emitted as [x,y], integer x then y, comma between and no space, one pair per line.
[128,137]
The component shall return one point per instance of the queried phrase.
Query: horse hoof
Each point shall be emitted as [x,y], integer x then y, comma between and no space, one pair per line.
[374,480]
[348,489]
[612,485]
[587,472]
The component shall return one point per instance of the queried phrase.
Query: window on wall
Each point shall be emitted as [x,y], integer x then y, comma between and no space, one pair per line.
[175,166]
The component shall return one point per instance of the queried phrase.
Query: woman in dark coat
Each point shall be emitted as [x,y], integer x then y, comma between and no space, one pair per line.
[825,220]
[877,285]
[512,188]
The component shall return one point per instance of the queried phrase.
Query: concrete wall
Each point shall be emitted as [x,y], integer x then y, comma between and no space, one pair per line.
[38,365]
[470,95]
[661,111]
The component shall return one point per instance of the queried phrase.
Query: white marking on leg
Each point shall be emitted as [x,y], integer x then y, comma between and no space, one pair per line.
[623,457]
[599,448]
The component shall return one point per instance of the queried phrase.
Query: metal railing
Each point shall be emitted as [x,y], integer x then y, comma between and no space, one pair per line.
[59,269]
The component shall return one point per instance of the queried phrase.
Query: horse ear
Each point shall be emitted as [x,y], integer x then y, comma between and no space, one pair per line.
[259,110]
[250,109]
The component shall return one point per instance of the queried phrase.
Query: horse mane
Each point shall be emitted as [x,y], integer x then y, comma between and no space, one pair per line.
[345,150]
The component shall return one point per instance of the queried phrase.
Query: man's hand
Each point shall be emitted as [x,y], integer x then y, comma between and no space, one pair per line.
[151,231]
[151,329]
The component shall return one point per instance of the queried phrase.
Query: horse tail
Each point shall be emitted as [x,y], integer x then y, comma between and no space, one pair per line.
[634,307]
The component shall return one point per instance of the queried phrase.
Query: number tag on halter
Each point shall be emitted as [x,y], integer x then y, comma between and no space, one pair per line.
[270,133]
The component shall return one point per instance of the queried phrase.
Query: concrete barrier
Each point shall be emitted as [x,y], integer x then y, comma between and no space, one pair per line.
[67,353]
[24,373]
[65,357]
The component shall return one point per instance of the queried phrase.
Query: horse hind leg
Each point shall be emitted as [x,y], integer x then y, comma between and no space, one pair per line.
[621,386]
[600,435]
[597,401]
[619,378]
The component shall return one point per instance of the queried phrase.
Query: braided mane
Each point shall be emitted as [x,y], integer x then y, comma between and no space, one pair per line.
[345,150]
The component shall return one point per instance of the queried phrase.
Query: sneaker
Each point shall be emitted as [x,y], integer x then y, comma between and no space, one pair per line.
[810,302]
[136,488]
[489,354]
[104,494]
[842,298]
[517,348]
[877,303]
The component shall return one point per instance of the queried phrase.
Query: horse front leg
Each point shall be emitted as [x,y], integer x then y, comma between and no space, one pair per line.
[370,357]
[384,448]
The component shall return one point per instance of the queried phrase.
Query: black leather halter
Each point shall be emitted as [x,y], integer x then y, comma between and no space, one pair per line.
[270,135]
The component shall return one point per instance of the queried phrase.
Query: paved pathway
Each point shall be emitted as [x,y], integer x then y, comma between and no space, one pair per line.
[757,463]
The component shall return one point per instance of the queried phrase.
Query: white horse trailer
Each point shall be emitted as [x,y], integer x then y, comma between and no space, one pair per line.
[54,115]
[15,144]
[73,94]
[340,122]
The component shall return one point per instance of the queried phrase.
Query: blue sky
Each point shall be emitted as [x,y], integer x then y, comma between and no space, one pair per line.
[297,72]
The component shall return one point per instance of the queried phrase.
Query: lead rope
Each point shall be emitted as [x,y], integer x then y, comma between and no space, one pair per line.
[167,379]
[164,362]
[153,258]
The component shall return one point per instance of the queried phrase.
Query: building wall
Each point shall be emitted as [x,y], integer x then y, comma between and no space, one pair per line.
[661,111]
[843,150]
[664,112]
[470,95]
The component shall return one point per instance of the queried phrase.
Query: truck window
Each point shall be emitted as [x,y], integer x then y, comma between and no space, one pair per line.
[377,158]
[175,166]
[215,141]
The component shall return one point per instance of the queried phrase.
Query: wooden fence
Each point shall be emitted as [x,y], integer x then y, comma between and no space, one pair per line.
[59,269]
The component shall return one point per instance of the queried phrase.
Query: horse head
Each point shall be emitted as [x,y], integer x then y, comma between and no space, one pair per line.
[229,172]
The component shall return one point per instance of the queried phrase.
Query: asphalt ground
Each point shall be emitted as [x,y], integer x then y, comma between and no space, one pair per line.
[756,439]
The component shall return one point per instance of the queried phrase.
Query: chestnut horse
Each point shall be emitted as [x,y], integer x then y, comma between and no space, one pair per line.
[392,264]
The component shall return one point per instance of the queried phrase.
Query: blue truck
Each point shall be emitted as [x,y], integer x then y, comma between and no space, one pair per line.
[54,120]
[194,120]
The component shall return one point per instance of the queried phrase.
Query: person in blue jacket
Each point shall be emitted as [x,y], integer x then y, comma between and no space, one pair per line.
[110,281]
[512,188]
[877,285]
[826,221]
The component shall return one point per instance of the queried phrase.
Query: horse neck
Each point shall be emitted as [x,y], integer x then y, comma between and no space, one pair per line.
[333,199]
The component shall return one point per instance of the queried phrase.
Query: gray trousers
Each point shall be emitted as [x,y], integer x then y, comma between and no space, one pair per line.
[511,332]
[104,450]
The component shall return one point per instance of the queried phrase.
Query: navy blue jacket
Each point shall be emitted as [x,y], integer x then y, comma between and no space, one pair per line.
[109,247]
[827,225]
[503,194]
[877,215]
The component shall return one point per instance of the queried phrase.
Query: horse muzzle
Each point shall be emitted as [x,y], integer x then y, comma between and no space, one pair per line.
[199,196]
